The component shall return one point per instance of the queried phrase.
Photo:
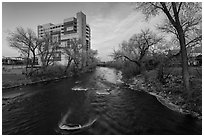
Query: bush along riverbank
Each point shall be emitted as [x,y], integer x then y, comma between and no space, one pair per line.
[170,94]
[53,73]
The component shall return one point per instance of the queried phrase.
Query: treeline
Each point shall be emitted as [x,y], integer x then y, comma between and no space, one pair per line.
[148,51]
[139,54]
[49,51]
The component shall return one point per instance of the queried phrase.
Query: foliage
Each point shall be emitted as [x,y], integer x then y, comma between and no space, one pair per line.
[188,15]
[73,53]
[129,69]
[26,42]
[115,64]
[78,56]
[137,49]
[52,71]
[172,89]
[91,59]
[46,50]
[183,20]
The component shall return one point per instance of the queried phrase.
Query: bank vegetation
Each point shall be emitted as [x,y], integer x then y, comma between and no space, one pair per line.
[77,59]
[166,65]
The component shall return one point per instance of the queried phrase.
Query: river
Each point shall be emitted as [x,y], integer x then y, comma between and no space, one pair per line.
[96,103]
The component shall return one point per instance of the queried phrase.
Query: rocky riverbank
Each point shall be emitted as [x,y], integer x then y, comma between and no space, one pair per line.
[171,98]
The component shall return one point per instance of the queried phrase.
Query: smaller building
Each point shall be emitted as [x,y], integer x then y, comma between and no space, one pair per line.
[17,61]
[12,61]
[194,56]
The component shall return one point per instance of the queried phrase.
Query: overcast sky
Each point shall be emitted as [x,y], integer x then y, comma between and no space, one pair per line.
[110,23]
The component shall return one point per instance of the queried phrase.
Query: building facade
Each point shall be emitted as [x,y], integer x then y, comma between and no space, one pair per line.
[70,28]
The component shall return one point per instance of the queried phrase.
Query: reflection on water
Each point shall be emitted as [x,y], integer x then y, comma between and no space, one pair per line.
[109,75]
[95,103]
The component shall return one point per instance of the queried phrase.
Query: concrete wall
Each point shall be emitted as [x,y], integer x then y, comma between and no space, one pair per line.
[81,27]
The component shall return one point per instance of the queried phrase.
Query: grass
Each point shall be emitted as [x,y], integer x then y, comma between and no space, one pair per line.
[13,80]
[193,71]
[12,76]
[11,70]
[173,87]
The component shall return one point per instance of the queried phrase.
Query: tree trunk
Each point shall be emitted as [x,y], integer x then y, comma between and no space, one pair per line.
[33,59]
[142,67]
[27,66]
[177,25]
[27,63]
[160,73]
[32,64]
[68,64]
[184,58]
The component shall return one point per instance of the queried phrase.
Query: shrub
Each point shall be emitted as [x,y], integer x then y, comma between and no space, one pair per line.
[115,64]
[50,72]
[130,69]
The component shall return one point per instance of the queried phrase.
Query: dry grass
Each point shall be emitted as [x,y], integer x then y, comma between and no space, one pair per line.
[13,77]
[193,71]
[174,88]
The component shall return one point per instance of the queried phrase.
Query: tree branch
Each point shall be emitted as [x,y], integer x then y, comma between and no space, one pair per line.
[156,6]
[168,14]
[179,8]
[199,38]
[132,60]
[175,13]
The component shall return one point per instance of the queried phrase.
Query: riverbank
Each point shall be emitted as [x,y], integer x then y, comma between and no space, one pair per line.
[39,109]
[170,95]
[26,81]
[13,78]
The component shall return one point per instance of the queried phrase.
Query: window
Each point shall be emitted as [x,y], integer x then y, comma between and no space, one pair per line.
[69,28]
[55,38]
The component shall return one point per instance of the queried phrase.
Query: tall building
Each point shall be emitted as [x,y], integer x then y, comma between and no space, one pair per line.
[71,28]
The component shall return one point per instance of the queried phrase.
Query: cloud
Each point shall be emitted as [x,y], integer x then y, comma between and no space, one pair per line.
[107,33]
[110,23]
[110,29]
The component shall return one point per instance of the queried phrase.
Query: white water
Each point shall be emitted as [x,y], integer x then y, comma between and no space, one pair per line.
[70,126]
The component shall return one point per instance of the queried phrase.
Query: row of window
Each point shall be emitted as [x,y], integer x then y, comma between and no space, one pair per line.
[49,29]
[41,30]
[62,29]
[69,28]
[57,26]
[71,32]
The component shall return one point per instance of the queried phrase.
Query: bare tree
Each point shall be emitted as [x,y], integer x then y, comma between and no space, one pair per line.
[47,49]
[92,56]
[72,51]
[26,42]
[190,19]
[137,47]
[182,18]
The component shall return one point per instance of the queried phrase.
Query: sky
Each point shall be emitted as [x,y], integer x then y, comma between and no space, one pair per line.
[110,22]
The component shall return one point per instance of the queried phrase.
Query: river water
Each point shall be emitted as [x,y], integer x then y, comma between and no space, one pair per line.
[97,103]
